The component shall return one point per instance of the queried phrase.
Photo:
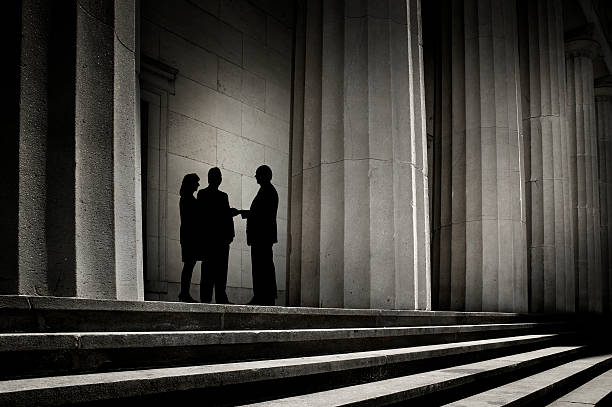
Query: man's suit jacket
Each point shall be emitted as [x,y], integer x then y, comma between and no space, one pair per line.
[216,225]
[261,217]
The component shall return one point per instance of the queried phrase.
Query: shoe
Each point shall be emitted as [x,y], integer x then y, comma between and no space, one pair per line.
[186,298]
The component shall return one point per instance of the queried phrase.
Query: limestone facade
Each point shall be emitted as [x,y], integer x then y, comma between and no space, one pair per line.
[428,155]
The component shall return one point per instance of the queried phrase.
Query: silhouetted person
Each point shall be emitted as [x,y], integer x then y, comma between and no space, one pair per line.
[189,233]
[261,235]
[217,232]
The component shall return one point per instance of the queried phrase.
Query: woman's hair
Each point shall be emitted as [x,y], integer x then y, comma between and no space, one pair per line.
[189,181]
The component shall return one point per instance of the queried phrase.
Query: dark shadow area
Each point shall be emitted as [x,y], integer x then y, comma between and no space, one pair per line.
[60,169]
[9,153]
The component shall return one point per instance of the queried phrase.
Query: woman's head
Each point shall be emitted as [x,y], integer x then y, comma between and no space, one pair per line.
[190,184]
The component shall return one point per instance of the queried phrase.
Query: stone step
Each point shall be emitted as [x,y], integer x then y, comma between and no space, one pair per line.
[535,387]
[595,392]
[404,388]
[224,381]
[56,314]
[39,354]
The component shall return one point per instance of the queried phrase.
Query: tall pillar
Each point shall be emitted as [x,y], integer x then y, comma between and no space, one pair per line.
[603,113]
[549,231]
[482,209]
[77,164]
[584,185]
[362,196]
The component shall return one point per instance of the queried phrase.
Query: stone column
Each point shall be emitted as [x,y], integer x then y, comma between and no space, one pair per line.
[603,113]
[549,231]
[361,191]
[584,185]
[77,164]
[483,261]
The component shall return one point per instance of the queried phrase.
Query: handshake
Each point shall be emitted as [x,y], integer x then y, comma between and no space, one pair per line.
[244,213]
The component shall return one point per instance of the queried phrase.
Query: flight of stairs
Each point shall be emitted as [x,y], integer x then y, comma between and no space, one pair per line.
[62,351]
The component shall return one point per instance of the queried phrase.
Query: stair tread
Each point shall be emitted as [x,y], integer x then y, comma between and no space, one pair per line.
[405,387]
[97,340]
[589,393]
[150,381]
[530,385]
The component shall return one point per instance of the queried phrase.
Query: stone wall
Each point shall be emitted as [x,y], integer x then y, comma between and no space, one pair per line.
[226,103]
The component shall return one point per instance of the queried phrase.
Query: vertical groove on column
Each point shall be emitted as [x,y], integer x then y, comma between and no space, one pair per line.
[603,105]
[356,154]
[458,196]
[549,237]
[421,236]
[363,192]
[585,188]
[442,198]
[296,156]
[311,170]
[487,214]
[331,279]
[382,253]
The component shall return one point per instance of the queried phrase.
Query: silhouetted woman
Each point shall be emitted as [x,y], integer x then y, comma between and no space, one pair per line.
[189,232]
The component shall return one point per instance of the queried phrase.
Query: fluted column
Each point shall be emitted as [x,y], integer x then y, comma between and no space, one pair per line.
[549,231]
[360,193]
[482,209]
[603,113]
[584,185]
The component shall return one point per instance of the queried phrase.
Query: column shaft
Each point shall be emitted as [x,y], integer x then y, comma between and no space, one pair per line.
[482,221]
[584,184]
[549,237]
[362,243]
[603,112]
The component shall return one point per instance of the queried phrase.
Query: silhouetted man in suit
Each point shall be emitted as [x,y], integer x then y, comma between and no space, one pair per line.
[217,232]
[261,235]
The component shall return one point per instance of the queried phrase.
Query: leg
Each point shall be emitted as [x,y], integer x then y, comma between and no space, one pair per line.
[269,275]
[186,281]
[221,274]
[256,273]
[207,279]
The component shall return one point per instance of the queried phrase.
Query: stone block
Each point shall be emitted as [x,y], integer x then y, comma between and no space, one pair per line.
[149,39]
[267,63]
[283,201]
[265,129]
[253,90]
[210,6]
[173,218]
[192,139]
[244,17]
[193,100]
[232,186]
[247,276]
[238,154]
[174,264]
[279,37]
[249,190]
[229,80]
[280,267]
[228,114]
[279,163]
[192,62]
[200,27]
[152,212]
[234,269]
[278,100]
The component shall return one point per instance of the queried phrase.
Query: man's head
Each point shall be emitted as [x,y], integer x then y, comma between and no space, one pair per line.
[263,175]
[214,177]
